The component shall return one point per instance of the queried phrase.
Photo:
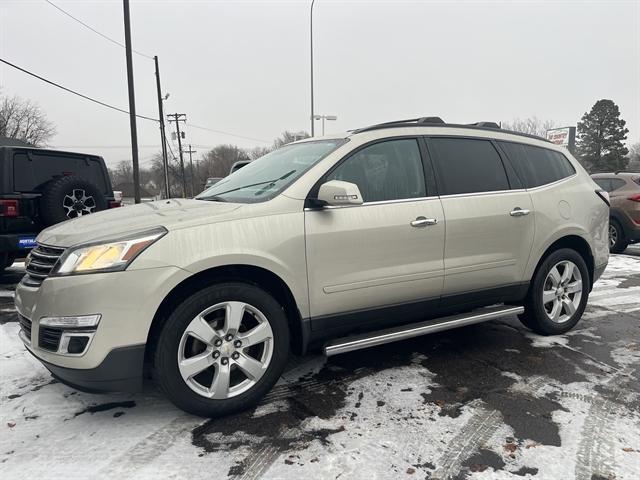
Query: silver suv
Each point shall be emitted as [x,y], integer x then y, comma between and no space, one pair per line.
[337,243]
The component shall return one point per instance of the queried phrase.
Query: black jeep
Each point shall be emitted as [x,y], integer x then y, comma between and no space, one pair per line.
[41,187]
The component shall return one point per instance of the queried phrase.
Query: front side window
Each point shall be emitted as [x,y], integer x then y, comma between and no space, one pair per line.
[537,166]
[266,177]
[617,183]
[468,166]
[603,183]
[390,170]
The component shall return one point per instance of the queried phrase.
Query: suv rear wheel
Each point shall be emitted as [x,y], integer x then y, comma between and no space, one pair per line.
[618,243]
[222,349]
[558,294]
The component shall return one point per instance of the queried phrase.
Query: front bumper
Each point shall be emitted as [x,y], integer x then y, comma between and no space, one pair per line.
[127,302]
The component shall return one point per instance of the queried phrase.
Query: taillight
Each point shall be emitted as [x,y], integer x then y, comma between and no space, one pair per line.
[604,196]
[9,208]
[635,198]
[114,204]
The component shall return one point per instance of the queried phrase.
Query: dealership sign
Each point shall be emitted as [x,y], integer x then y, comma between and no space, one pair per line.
[562,136]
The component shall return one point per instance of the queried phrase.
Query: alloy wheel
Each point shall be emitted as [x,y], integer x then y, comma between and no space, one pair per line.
[78,203]
[562,291]
[225,350]
[613,235]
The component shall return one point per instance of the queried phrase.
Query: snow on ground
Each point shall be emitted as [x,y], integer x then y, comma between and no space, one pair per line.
[490,401]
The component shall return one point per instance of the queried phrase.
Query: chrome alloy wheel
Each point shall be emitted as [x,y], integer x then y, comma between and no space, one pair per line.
[78,203]
[562,291]
[225,350]
[613,235]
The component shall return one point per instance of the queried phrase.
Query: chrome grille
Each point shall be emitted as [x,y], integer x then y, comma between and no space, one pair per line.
[39,264]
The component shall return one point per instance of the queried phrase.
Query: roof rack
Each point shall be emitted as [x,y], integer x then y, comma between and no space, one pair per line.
[438,122]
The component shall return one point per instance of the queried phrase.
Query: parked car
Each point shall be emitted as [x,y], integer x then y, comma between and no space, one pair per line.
[39,188]
[211,181]
[624,216]
[238,165]
[337,243]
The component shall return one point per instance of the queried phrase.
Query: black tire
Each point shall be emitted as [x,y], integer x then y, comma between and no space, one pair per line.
[56,204]
[6,260]
[535,315]
[621,243]
[167,374]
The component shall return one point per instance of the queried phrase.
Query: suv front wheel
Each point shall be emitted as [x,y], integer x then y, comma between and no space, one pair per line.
[222,349]
[558,293]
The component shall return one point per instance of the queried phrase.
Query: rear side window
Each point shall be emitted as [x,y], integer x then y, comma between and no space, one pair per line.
[537,166]
[468,166]
[390,170]
[603,183]
[617,183]
[31,172]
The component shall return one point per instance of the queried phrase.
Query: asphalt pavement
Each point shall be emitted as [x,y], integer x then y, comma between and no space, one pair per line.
[491,400]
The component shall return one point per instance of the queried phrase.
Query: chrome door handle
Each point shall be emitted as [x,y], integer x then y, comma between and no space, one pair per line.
[519,212]
[424,222]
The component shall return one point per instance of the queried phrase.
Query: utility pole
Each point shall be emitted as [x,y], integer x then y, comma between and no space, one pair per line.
[132,102]
[313,120]
[193,181]
[163,138]
[180,117]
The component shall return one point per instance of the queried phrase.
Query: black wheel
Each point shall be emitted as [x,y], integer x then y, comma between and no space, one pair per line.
[618,242]
[69,197]
[222,349]
[558,293]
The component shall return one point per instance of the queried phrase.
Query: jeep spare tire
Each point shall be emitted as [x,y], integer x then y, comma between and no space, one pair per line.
[69,197]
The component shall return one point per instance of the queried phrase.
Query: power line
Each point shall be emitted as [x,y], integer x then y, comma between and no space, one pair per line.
[73,91]
[96,31]
[226,133]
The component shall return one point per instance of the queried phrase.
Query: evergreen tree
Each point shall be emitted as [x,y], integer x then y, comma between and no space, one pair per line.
[600,136]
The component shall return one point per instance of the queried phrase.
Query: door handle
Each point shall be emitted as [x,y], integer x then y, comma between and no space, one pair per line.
[424,222]
[519,212]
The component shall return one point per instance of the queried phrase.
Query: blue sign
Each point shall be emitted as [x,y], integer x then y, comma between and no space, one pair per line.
[27,242]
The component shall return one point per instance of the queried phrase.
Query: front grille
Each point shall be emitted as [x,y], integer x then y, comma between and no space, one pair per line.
[25,326]
[39,264]
[49,338]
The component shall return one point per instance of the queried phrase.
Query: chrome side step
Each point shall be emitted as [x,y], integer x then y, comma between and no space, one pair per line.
[357,342]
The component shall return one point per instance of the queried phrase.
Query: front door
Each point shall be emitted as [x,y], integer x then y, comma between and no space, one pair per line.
[387,251]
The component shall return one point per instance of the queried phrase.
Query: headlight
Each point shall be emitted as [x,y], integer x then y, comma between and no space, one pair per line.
[107,256]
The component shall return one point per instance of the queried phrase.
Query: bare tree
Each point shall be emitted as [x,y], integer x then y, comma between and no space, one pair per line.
[288,137]
[531,125]
[24,120]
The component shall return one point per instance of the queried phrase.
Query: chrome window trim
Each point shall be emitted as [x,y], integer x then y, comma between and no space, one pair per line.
[476,194]
[366,204]
[552,183]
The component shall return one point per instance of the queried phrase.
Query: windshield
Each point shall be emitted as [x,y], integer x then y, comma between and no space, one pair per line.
[267,176]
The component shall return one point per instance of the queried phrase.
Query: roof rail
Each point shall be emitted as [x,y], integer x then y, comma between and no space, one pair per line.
[438,122]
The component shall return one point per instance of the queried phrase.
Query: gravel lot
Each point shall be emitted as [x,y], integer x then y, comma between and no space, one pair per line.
[486,401]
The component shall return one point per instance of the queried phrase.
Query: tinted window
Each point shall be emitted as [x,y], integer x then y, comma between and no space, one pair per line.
[31,172]
[389,170]
[536,165]
[603,183]
[617,183]
[468,165]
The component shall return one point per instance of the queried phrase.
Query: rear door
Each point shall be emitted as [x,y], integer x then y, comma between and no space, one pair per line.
[489,218]
[375,254]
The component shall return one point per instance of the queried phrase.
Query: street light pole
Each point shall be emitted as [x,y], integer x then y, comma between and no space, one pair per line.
[132,102]
[311,37]
[323,118]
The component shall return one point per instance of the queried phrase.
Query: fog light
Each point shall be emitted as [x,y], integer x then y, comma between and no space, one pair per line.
[71,322]
[77,344]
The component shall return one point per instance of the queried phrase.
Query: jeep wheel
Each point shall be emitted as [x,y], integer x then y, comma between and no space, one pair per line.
[69,197]
[222,349]
[618,243]
[558,294]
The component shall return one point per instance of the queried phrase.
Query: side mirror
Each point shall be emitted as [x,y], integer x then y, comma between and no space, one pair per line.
[337,192]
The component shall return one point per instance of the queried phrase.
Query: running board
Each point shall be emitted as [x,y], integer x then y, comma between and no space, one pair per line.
[371,339]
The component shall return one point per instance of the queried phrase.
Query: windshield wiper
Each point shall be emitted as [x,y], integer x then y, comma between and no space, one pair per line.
[213,198]
[269,184]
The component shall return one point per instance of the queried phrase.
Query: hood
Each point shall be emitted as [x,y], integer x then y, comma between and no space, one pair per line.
[171,214]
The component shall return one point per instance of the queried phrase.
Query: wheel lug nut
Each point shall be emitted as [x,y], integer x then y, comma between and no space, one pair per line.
[235,355]
[224,361]
[229,337]
[216,354]
[237,344]
[218,342]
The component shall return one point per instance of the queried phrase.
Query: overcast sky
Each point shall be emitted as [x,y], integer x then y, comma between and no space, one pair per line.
[243,67]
